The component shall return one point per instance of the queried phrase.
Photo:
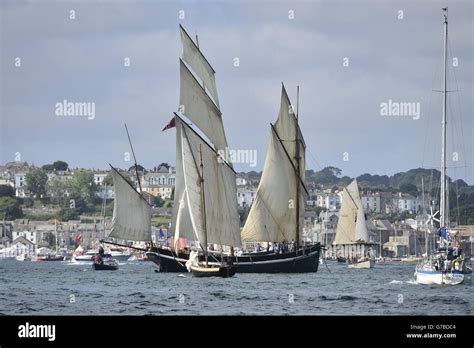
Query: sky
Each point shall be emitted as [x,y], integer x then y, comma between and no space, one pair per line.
[348,57]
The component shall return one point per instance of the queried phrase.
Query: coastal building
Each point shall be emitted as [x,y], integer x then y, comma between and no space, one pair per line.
[31,236]
[160,183]
[20,183]
[331,201]
[371,202]
[246,196]
[99,177]
[241,179]
[406,202]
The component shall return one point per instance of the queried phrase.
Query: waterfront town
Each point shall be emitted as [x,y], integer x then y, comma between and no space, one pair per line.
[67,207]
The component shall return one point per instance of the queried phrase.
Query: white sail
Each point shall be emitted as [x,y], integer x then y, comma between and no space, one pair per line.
[272,216]
[287,127]
[351,226]
[196,60]
[219,203]
[361,232]
[181,226]
[132,214]
[196,105]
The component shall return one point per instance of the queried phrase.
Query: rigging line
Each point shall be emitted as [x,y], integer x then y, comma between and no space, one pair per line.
[313,158]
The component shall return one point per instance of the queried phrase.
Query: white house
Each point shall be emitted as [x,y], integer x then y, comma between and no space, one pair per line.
[330,201]
[20,183]
[406,203]
[371,202]
[246,196]
[28,235]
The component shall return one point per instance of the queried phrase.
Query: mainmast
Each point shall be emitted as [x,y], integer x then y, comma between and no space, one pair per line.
[297,181]
[443,205]
[203,204]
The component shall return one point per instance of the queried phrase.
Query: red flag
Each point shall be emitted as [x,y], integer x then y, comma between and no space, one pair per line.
[170,124]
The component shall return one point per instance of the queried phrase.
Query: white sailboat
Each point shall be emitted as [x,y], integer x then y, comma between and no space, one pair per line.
[446,265]
[352,237]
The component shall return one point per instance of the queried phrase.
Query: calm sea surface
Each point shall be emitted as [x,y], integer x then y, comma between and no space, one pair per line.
[48,288]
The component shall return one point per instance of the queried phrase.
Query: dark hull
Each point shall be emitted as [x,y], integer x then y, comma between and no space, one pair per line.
[167,261]
[102,267]
[305,261]
[341,259]
[223,272]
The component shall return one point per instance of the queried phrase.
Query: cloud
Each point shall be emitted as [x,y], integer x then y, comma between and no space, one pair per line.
[82,60]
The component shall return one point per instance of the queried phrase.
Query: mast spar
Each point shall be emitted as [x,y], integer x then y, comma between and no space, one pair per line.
[297,181]
[443,203]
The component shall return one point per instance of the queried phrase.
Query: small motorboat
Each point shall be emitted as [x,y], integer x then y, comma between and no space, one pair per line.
[341,259]
[100,263]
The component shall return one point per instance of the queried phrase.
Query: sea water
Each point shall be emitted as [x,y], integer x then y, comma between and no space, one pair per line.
[64,288]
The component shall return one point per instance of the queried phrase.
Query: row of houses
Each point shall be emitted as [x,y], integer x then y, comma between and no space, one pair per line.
[161,180]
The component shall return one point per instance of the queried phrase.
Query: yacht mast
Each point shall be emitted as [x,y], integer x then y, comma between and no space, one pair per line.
[297,157]
[442,220]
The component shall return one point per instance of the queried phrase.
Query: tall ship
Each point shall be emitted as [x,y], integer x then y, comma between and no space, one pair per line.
[278,210]
[205,205]
[447,264]
[352,242]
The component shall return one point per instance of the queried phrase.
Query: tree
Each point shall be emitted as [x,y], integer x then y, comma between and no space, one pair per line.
[60,165]
[66,214]
[36,183]
[408,188]
[7,191]
[83,190]
[10,208]
[139,167]
[158,202]
[108,180]
[57,187]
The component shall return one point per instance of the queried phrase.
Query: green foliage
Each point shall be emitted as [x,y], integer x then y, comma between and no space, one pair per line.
[108,180]
[466,214]
[57,187]
[83,192]
[408,188]
[10,208]
[158,202]
[7,191]
[27,202]
[328,175]
[139,167]
[36,182]
[66,214]
[58,165]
